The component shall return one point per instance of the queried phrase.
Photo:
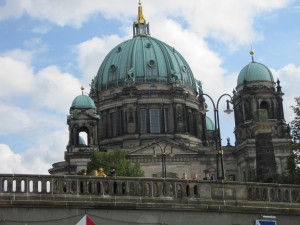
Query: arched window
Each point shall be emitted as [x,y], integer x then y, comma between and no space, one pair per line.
[83,138]
[264,105]
[248,110]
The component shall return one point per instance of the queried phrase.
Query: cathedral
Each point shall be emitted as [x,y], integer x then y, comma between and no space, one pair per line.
[145,100]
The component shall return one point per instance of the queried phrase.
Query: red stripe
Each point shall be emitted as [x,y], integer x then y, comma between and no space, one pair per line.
[89,221]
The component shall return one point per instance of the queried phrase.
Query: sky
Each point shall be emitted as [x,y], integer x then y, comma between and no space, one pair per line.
[49,48]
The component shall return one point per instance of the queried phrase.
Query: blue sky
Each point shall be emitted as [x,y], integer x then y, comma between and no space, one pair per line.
[49,48]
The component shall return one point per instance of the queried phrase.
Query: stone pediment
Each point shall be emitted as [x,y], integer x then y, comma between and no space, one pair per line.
[167,147]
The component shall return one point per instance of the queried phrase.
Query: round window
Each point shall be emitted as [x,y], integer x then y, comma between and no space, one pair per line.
[151,63]
[112,68]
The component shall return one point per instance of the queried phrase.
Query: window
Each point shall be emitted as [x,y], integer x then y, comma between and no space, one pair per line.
[165,120]
[123,121]
[154,121]
[113,124]
[231,177]
[264,105]
[143,121]
[83,138]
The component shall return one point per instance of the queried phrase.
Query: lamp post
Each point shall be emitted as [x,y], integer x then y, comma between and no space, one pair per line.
[163,157]
[218,144]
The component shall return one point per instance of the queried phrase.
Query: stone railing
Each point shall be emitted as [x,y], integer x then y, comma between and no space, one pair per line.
[154,188]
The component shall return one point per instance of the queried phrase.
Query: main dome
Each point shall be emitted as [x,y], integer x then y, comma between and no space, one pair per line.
[143,59]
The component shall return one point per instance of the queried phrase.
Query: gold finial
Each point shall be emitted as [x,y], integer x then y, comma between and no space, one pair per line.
[82,88]
[252,53]
[140,18]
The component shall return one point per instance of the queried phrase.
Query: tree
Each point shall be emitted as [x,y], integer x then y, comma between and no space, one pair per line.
[114,159]
[293,176]
[295,128]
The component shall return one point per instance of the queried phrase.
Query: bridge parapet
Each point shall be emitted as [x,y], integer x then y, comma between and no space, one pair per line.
[147,187]
[51,198]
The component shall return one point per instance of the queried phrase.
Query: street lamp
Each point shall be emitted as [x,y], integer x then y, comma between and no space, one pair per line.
[218,144]
[163,156]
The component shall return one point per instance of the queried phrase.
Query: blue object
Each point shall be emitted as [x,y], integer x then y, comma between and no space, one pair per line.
[266,222]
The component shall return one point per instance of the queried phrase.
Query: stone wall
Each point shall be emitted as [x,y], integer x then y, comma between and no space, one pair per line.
[43,199]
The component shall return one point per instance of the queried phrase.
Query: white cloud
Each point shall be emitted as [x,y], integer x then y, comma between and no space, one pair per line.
[205,63]
[19,55]
[37,160]
[289,77]
[14,119]
[55,90]
[67,12]
[48,150]
[230,21]
[91,54]
[16,77]
[10,162]
[14,8]
[36,115]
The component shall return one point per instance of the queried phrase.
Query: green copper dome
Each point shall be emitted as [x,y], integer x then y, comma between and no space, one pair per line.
[81,141]
[210,126]
[143,59]
[83,102]
[255,72]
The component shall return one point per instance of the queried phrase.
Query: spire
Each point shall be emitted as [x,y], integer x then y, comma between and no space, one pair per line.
[82,88]
[140,18]
[140,25]
[252,53]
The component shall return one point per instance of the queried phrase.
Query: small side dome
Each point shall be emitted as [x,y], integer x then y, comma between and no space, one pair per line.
[81,141]
[210,126]
[83,102]
[255,72]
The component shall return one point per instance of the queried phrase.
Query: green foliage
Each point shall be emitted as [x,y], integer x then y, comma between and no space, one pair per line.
[295,128]
[293,175]
[114,159]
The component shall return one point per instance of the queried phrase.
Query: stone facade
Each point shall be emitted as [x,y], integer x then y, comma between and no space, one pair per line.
[148,104]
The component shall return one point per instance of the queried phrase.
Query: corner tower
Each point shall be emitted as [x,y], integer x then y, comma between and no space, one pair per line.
[260,127]
[83,138]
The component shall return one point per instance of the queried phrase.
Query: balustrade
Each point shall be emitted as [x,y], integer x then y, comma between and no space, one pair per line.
[146,187]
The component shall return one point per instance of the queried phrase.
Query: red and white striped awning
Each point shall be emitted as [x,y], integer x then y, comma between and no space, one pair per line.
[86,220]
